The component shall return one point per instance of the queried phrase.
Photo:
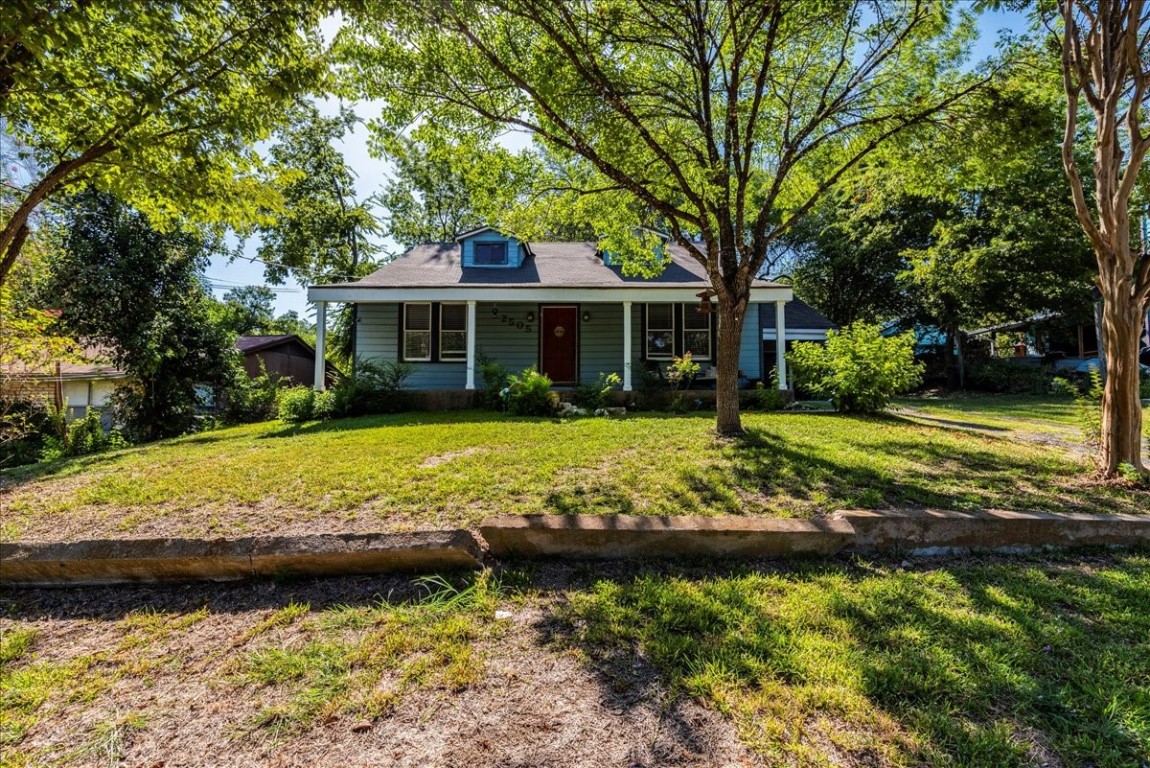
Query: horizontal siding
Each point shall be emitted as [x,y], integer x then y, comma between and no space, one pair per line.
[515,251]
[751,345]
[601,342]
[503,341]
[504,335]
[378,339]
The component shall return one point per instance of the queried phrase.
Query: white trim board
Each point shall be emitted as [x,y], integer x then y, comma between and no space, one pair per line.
[367,295]
[796,334]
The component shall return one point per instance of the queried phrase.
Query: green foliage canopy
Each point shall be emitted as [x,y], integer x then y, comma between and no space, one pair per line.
[158,103]
[137,294]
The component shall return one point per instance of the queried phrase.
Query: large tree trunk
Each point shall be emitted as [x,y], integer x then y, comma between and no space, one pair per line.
[731,318]
[1121,439]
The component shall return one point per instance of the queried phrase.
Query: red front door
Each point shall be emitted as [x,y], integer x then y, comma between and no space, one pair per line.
[559,344]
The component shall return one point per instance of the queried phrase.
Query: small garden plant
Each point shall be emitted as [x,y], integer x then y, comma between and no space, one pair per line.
[529,394]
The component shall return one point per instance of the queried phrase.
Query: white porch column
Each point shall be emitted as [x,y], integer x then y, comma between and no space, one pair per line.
[626,346]
[320,346]
[781,342]
[470,345]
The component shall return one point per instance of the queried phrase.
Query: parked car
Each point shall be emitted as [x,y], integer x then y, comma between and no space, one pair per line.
[1094,364]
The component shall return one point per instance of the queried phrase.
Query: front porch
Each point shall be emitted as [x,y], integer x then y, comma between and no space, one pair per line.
[572,341]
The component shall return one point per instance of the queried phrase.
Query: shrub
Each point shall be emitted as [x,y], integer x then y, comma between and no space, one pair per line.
[1144,390]
[858,368]
[494,376]
[1005,377]
[1089,405]
[23,426]
[597,395]
[529,394]
[324,405]
[248,400]
[79,437]
[765,397]
[1062,387]
[296,404]
[376,387]
[682,371]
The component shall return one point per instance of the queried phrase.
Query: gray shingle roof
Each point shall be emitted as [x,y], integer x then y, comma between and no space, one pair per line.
[550,265]
[798,314]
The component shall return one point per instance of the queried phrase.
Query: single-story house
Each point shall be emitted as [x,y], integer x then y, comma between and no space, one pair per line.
[801,322]
[89,383]
[286,355]
[565,307]
[82,384]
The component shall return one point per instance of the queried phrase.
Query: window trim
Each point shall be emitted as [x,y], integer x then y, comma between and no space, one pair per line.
[446,358]
[489,243]
[430,331]
[647,329]
[710,329]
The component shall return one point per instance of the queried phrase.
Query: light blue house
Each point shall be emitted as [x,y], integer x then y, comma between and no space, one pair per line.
[558,306]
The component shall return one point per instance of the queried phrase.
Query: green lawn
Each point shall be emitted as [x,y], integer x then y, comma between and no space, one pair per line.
[985,663]
[1003,410]
[438,470]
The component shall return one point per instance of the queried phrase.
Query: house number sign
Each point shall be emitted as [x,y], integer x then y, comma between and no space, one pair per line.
[519,325]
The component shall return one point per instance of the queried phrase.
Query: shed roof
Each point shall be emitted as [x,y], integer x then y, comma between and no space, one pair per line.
[250,344]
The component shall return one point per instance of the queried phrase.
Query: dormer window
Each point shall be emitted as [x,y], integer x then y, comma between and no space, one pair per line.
[491,254]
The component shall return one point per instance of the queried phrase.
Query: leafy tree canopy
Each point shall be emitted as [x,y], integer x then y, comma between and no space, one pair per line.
[322,232]
[138,294]
[722,123]
[158,103]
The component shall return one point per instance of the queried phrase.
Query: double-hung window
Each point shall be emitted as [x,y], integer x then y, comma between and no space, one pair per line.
[452,331]
[677,329]
[660,341]
[417,331]
[696,332]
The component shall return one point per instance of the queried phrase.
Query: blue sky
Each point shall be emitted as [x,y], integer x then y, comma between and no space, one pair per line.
[371,173]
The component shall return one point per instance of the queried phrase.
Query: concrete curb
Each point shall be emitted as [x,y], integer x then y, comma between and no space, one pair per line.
[584,537]
[115,561]
[939,532]
[605,537]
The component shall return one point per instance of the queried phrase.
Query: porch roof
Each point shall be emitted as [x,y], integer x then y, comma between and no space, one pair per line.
[559,267]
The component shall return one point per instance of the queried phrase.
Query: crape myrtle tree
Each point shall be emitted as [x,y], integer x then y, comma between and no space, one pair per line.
[1106,74]
[723,123]
[158,103]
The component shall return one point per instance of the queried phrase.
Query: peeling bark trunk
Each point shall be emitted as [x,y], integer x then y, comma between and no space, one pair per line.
[1121,439]
[731,319]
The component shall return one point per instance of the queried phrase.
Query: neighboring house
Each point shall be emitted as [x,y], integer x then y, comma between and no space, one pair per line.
[89,384]
[566,308]
[801,322]
[287,356]
[82,385]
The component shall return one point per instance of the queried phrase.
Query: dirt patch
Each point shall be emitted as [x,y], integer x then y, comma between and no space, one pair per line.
[164,690]
[443,458]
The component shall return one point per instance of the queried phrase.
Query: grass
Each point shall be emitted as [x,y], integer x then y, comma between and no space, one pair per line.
[359,661]
[297,668]
[453,469]
[984,662]
[972,665]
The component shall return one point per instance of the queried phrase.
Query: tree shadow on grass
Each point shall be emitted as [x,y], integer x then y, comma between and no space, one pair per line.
[982,663]
[987,662]
[905,470]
